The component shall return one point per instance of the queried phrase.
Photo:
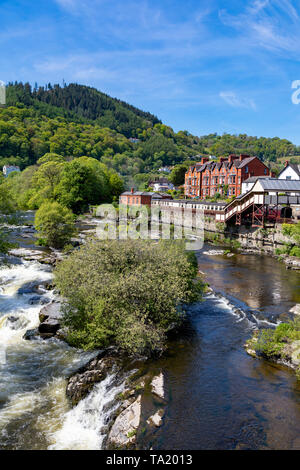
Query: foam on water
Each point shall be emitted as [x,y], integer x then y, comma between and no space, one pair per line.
[16,305]
[238,312]
[84,425]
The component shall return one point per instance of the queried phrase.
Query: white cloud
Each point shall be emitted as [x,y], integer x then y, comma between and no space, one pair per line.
[234,101]
[267,24]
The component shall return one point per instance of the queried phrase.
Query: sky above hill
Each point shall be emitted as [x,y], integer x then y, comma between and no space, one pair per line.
[201,65]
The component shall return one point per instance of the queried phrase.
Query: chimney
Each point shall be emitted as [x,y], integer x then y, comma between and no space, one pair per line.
[132,190]
[286,164]
[204,160]
[243,156]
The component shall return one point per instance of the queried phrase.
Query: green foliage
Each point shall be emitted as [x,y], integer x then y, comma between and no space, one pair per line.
[293,231]
[295,251]
[267,345]
[55,224]
[265,148]
[271,343]
[128,293]
[7,204]
[5,245]
[74,184]
[177,176]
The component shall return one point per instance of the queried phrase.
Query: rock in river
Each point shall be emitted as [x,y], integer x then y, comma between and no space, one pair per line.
[157,386]
[50,317]
[124,429]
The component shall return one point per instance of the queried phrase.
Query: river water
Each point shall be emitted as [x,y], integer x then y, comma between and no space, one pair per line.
[219,397]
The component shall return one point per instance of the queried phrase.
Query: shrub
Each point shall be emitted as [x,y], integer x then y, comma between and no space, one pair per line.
[55,224]
[267,345]
[271,342]
[128,293]
[295,251]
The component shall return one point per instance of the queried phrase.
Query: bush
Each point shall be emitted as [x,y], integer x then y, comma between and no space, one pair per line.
[295,251]
[270,343]
[55,224]
[267,344]
[127,293]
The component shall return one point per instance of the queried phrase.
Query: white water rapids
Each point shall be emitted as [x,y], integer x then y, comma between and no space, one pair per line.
[34,411]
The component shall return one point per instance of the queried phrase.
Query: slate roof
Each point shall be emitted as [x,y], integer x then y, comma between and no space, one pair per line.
[280,185]
[253,179]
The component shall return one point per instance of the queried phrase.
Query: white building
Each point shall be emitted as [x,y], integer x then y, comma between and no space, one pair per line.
[248,184]
[290,172]
[161,185]
[7,169]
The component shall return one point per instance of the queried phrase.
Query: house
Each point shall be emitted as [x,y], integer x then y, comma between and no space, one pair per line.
[7,169]
[164,169]
[291,171]
[206,178]
[137,198]
[161,184]
[248,184]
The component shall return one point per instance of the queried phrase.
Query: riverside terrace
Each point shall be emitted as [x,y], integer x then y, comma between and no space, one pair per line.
[267,203]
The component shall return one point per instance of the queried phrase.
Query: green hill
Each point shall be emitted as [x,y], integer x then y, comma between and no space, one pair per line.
[83,104]
[77,120]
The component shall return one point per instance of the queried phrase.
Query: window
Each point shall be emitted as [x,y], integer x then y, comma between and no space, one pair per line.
[265,171]
[246,169]
[288,177]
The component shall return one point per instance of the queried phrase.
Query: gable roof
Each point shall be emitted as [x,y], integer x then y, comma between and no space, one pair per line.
[294,167]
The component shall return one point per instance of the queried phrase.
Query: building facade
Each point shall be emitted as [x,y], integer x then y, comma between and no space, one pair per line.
[207,178]
[161,184]
[137,198]
[290,172]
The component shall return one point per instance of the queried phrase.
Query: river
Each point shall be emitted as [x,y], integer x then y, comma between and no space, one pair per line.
[219,397]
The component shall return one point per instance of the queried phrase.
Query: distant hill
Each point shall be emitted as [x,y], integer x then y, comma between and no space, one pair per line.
[81,103]
[75,120]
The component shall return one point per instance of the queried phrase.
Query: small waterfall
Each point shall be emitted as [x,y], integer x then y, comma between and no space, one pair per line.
[85,426]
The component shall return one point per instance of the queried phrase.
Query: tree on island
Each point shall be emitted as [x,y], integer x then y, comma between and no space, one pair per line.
[126,293]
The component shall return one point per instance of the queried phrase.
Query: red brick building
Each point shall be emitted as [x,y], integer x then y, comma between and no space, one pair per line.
[225,176]
[137,198]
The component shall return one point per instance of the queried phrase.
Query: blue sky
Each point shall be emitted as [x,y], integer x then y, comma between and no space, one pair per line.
[205,66]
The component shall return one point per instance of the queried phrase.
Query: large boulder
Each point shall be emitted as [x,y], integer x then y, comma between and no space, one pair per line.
[295,309]
[50,318]
[53,311]
[123,431]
